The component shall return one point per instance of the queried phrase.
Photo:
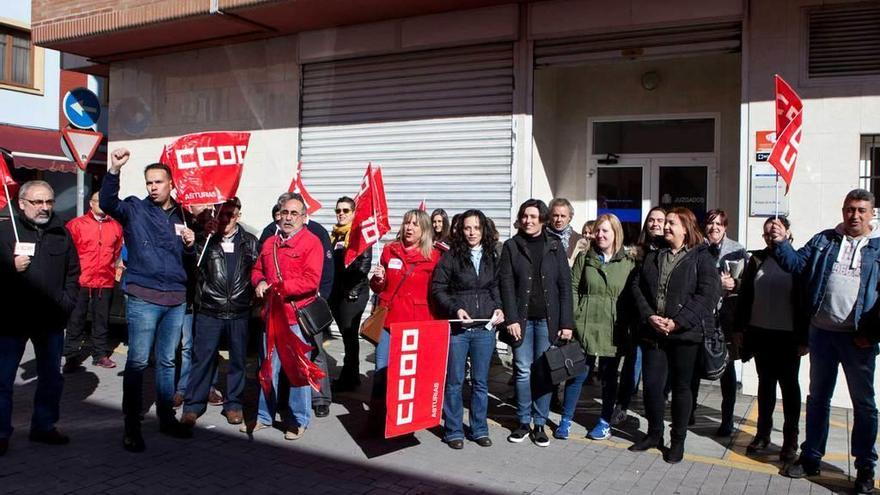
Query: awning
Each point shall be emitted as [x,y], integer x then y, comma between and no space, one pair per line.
[40,149]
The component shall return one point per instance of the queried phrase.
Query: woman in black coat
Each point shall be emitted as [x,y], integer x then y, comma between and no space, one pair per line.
[348,299]
[538,310]
[676,290]
[465,287]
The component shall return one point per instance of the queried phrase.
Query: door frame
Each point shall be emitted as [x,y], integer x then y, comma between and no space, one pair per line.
[650,169]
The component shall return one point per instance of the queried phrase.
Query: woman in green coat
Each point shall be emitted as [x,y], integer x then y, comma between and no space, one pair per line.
[598,278]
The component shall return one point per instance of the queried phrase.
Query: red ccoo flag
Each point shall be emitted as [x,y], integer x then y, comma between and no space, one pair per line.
[423,206]
[789,123]
[206,166]
[10,187]
[293,353]
[296,186]
[370,221]
[788,105]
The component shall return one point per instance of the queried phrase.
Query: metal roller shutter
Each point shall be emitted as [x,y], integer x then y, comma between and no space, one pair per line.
[643,44]
[439,123]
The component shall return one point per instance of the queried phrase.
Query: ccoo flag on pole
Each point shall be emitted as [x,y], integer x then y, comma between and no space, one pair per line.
[370,221]
[206,167]
[789,122]
[296,186]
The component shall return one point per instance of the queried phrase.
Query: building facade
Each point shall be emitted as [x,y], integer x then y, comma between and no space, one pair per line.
[616,105]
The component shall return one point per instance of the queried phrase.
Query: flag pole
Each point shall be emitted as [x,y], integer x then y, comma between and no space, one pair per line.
[208,239]
[11,212]
[776,196]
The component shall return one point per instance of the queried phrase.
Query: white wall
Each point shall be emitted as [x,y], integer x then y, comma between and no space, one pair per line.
[247,87]
[566,97]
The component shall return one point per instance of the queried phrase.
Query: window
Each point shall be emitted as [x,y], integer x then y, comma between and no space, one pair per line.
[843,40]
[654,136]
[869,174]
[16,57]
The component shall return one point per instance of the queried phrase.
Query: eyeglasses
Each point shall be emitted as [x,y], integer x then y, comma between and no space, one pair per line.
[343,210]
[289,213]
[40,202]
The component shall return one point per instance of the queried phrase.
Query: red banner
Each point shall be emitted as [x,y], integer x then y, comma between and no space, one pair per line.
[293,353]
[785,151]
[206,167]
[416,376]
[296,186]
[6,164]
[370,221]
[788,105]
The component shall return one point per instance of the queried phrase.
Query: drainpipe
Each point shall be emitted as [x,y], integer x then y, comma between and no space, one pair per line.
[744,126]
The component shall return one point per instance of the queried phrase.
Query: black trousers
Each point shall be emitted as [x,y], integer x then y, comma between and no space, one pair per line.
[207,332]
[318,356]
[728,391]
[97,303]
[347,314]
[777,361]
[677,361]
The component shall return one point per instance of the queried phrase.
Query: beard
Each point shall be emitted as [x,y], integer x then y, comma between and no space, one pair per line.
[41,220]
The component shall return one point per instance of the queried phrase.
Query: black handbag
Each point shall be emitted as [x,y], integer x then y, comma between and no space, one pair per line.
[715,355]
[313,318]
[564,361]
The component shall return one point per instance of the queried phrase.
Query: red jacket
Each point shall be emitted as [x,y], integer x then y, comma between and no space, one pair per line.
[411,301]
[98,244]
[301,259]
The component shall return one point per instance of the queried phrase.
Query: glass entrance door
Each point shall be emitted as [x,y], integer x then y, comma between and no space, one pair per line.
[629,189]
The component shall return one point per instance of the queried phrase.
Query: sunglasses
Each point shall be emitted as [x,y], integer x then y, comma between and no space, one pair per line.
[342,210]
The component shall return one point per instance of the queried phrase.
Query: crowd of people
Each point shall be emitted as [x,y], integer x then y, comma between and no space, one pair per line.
[638,312]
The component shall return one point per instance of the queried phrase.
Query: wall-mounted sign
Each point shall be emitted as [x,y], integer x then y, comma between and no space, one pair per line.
[764,141]
[767,192]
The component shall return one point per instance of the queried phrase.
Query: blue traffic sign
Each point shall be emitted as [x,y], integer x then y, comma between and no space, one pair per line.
[82,108]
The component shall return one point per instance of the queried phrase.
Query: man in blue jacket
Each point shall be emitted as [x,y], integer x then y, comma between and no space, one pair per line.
[157,239]
[840,268]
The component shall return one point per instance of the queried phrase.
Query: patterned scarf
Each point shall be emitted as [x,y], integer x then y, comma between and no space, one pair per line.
[340,233]
[564,235]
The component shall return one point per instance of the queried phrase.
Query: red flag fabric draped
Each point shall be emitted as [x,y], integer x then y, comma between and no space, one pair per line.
[370,221]
[293,353]
[206,166]
[296,186]
[789,122]
[6,165]
[423,206]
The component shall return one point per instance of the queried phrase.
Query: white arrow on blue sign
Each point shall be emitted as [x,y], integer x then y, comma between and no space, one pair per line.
[82,108]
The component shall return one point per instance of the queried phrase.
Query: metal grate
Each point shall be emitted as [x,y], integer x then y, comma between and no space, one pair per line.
[843,41]
[438,122]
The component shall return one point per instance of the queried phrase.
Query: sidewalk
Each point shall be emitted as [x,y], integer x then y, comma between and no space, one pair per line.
[332,458]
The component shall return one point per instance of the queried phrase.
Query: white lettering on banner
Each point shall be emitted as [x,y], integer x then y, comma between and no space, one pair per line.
[790,111]
[370,230]
[790,151]
[210,156]
[409,348]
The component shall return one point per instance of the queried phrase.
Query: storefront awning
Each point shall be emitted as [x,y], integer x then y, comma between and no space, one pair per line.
[40,149]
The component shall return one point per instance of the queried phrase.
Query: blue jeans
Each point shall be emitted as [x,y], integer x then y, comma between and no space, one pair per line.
[299,401]
[47,398]
[532,394]
[607,369]
[186,349]
[827,351]
[206,340]
[630,375]
[479,344]
[150,325]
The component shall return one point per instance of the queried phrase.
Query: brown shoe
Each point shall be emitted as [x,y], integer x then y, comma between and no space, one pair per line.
[257,427]
[294,433]
[104,362]
[189,419]
[177,400]
[233,417]
[215,398]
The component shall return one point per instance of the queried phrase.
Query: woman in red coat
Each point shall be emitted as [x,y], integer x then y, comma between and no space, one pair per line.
[402,280]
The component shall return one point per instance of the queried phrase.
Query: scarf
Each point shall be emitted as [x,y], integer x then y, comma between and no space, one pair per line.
[564,235]
[340,233]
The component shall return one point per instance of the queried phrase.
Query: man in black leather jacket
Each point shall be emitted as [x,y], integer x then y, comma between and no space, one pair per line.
[222,304]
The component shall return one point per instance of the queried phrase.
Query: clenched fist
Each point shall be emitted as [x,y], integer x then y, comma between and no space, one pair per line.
[118,158]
